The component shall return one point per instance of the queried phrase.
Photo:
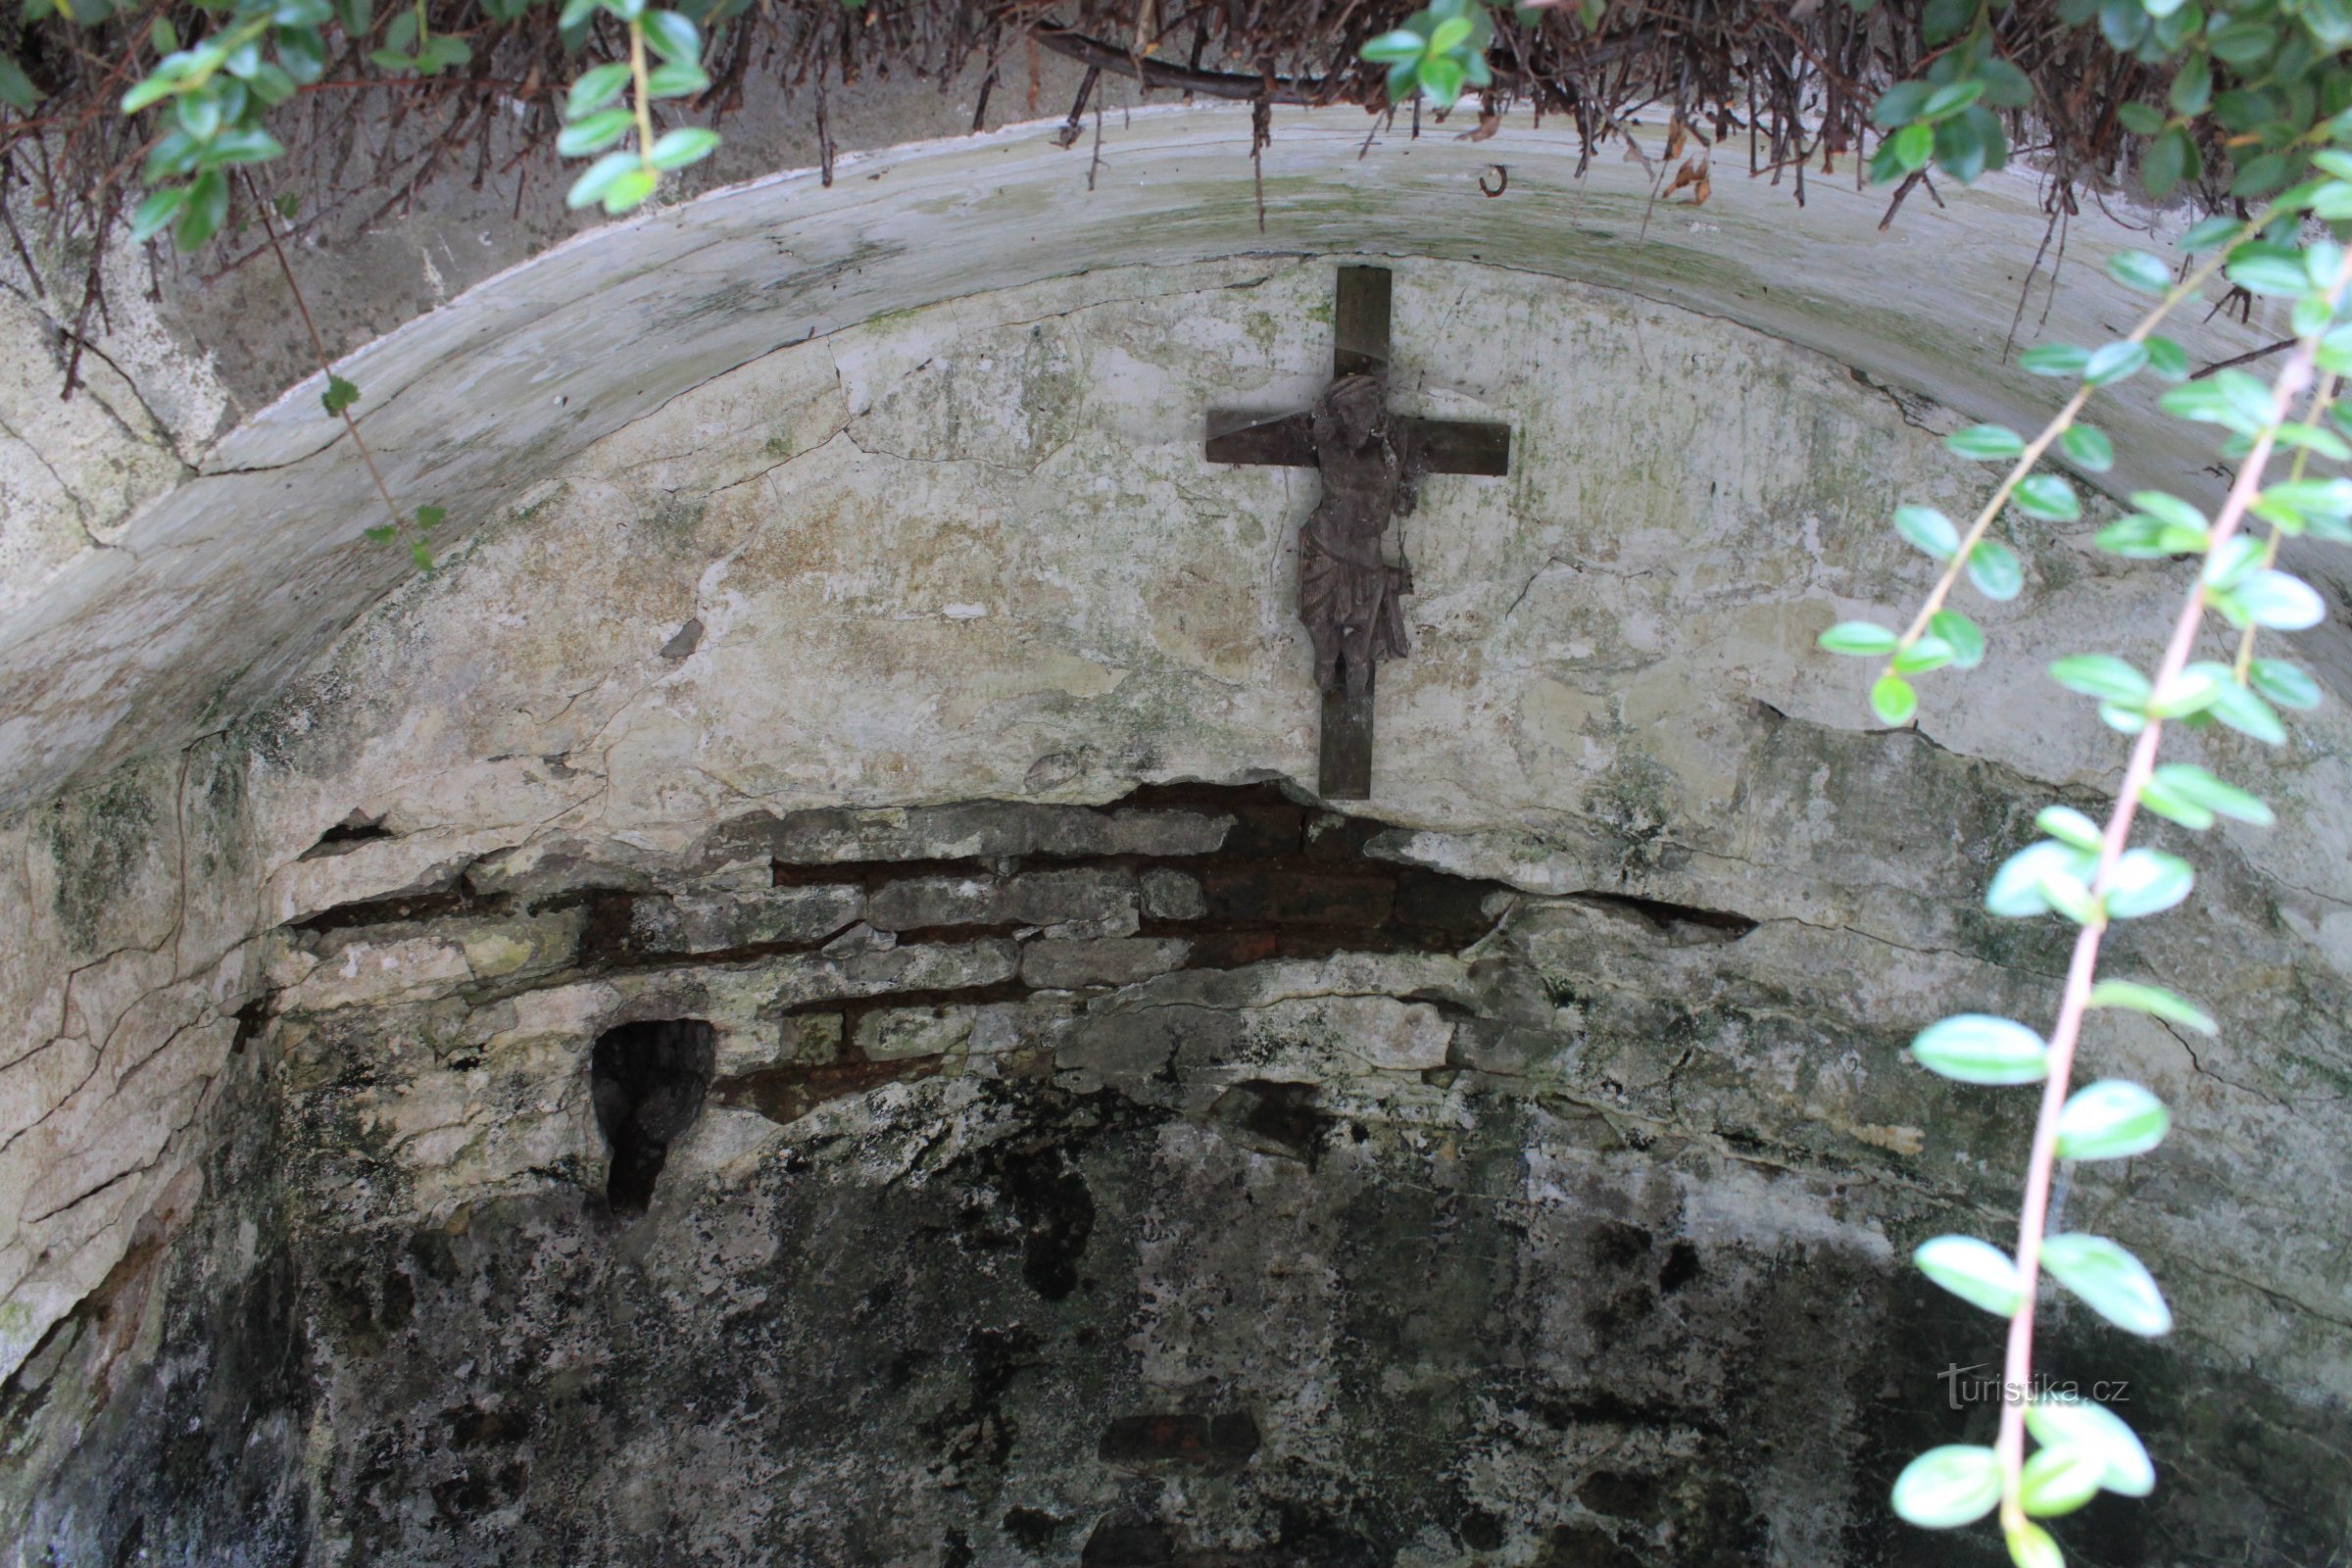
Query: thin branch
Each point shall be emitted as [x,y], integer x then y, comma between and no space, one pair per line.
[318,346]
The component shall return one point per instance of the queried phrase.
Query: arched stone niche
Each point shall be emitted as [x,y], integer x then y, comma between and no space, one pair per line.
[1111,1153]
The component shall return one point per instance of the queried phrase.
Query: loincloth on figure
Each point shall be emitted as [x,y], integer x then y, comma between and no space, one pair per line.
[1349,597]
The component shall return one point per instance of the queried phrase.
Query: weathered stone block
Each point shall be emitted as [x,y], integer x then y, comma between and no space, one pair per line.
[1086,894]
[921,966]
[932,900]
[896,1034]
[1172,895]
[713,921]
[1107,962]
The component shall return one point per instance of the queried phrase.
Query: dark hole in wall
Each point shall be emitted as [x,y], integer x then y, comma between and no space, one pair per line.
[649,1080]
[356,829]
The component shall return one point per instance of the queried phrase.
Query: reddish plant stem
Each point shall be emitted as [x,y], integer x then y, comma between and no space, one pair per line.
[2033,1212]
[318,346]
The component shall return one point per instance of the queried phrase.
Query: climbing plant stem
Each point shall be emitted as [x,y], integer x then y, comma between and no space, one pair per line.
[2321,402]
[2059,424]
[640,96]
[318,347]
[2081,969]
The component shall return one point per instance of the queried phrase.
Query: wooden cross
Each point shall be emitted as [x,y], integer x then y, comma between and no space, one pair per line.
[1359,347]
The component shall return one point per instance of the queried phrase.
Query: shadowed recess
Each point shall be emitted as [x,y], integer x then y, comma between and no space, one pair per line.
[649,1080]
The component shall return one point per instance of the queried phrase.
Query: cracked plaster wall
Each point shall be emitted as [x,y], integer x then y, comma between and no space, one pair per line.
[971,552]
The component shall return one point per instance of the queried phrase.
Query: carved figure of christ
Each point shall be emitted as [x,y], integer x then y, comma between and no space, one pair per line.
[1371,464]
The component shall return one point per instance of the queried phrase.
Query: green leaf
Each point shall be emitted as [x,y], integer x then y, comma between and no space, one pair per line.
[594,134]
[158,86]
[682,79]
[2142,120]
[2184,694]
[1950,98]
[598,178]
[1860,637]
[2211,233]
[1451,35]
[630,190]
[2278,600]
[243,144]
[431,517]
[2076,1423]
[1391,47]
[2054,359]
[2101,675]
[2273,269]
[2071,895]
[2032,1547]
[339,395]
[16,88]
[1984,443]
[208,206]
[2225,800]
[2047,496]
[1978,1272]
[2110,1281]
[1913,146]
[1442,78]
[2193,87]
[2144,538]
[382,533]
[2240,708]
[575,13]
[2069,827]
[1961,636]
[1975,1048]
[2167,359]
[2087,449]
[2111,1119]
[2017,890]
[2168,161]
[595,88]
[2165,803]
[676,39]
[272,83]
[2232,399]
[1893,700]
[1948,1487]
[2140,270]
[2116,361]
[2326,443]
[1928,652]
[2284,683]
[423,554]
[1899,104]
[158,212]
[2005,86]
[2146,882]
[1928,529]
[685,145]
[199,114]
[1994,568]
[2059,1480]
[2170,509]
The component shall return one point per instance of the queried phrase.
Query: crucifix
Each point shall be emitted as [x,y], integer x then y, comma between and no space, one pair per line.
[1371,462]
